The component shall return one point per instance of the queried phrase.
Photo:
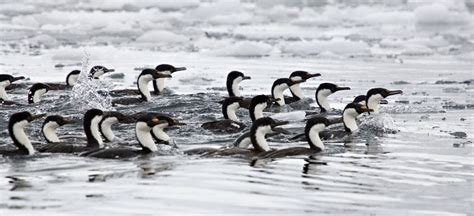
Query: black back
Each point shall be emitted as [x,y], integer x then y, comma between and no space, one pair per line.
[359,99]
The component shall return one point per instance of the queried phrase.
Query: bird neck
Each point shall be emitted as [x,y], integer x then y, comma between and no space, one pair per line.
[296,91]
[349,120]
[322,99]
[106,128]
[142,131]
[91,128]
[19,137]
[49,132]
[233,87]
[160,134]
[277,92]
[142,84]
[256,111]
[3,93]
[258,138]
[229,111]
[374,103]
[72,80]
[159,85]
[314,141]
[35,97]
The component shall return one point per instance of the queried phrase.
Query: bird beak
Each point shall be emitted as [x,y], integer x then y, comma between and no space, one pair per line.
[383,101]
[342,88]
[394,92]
[312,75]
[109,70]
[18,78]
[162,75]
[38,116]
[69,121]
[179,69]
[365,109]
[246,78]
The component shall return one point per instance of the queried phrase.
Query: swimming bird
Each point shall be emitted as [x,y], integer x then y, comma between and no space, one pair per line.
[376,95]
[322,93]
[159,84]
[314,127]
[158,132]
[16,129]
[37,91]
[5,81]
[279,86]
[71,80]
[296,88]
[110,118]
[144,78]
[230,123]
[91,122]
[50,124]
[143,128]
[98,70]
[234,78]
[260,128]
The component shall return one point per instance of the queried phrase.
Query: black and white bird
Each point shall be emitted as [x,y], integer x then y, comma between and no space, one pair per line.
[159,84]
[50,124]
[376,95]
[37,91]
[360,99]
[234,78]
[109,119]
[314,127]
[91,122]
[16,129]
[158,132]
[258,104]
[230,123]
[143,128]
[97,71]
[281,85]
[5,81]
[143,80]
[300,76]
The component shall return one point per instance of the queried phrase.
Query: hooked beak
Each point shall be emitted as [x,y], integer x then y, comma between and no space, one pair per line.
[179,69]
[18,78]
[109,70]
[383,101]
[38,116]
[69,120]
[246,78]
[312,75]
[342,88]
[394,92]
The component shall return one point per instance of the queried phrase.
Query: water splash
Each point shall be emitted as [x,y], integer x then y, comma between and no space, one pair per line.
[90,93]
[378,124]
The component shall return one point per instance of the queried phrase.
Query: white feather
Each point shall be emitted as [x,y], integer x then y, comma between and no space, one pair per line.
[278,93]
[143,85]
[49,131]
[322,98]
[38,94]
[159,132]
[258,112]
[314,135]
[19,133]
[95,130]
[236,86]
[72,79]
[260,137]
[106,127]
[3,93]
[296,89]
[231,109]
[349,117]
[374,102]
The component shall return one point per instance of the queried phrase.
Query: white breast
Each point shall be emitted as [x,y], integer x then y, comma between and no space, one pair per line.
[144,136]
[38,94]
[143,85]
[314,135]
[231,109]
[106,128]
[19,133]
[159,132]
[374,102]
[260,137]
[258,112]
[95,130]
[349,118]
[278,93]
[49,131]
[236,86]
[296,89]
[3,93]
[322,98]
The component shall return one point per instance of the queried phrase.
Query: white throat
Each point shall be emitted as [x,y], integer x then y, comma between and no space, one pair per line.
[159,132]
[236,86]
[72,79]
[144,136]
[20,136]
[260,137]
[160,82]
[322,98]
[49,132]
[296,89]
[258,112]
[95,130]
[231,109]
[106,128]
[3,93]
[314,135]
[98,73]
[374,102]
[278,93]
[38,94]
[349,118]
[143,85]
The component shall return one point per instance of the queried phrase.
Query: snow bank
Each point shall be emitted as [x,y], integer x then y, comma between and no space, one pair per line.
[339,46]
[245,49]
[161,37]
[439,14]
